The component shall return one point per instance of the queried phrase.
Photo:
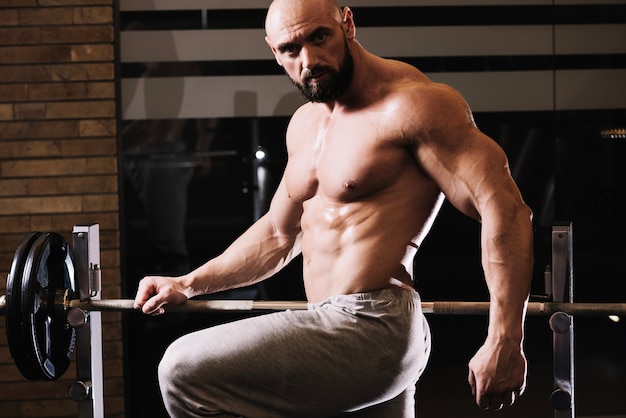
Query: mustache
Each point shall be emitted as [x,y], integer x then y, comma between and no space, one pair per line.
[309,73]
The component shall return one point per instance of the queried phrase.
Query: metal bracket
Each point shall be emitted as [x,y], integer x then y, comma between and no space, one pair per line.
[95,280]
[88,390]
[562,324]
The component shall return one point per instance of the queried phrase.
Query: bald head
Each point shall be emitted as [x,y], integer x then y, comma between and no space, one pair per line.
[283,13]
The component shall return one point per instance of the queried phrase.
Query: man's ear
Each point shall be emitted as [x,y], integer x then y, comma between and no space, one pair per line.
[348,22]
[269,43]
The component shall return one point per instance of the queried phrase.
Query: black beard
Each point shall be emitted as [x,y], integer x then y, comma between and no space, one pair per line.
[338,83]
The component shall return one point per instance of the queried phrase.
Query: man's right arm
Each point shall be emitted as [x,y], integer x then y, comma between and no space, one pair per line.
[265,248]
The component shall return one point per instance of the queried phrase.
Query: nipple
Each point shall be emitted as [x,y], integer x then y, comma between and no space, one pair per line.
[349,185]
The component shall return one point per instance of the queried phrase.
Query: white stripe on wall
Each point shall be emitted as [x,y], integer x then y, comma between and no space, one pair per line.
[591,89]
[511,91]
[231,96]
[208,97]
[442,41]
[590,39]
[193,45]
[249,44]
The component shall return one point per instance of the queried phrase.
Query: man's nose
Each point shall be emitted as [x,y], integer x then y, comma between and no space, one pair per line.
[310,58]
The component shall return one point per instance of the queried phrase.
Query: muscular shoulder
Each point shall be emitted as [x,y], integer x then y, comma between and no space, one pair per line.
[420,105]
[431,106]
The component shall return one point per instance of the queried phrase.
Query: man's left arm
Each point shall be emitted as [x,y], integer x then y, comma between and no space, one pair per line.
[497,371]
[473,173]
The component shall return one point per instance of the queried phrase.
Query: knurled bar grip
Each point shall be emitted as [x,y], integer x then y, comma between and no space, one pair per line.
[534,308]
[436,308]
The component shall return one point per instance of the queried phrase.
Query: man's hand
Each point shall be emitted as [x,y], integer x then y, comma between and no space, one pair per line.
[154,292]
[497,374]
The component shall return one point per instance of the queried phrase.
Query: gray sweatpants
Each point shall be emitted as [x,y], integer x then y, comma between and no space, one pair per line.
[354,355]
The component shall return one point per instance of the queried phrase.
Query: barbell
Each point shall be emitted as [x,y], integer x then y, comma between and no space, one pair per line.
[42,313]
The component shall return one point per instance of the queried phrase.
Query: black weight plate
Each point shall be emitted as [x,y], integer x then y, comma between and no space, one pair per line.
[13,314]
[49,340]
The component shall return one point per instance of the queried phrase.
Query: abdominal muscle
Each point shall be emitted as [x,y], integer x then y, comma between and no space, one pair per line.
[361,246]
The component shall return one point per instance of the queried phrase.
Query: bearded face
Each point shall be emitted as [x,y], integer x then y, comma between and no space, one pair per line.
[333,86]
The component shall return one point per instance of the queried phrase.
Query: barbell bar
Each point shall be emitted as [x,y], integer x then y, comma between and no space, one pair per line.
[434,308]
[245,305]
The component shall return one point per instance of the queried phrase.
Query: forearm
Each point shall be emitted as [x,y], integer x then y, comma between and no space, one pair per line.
[256,255]
[507,258]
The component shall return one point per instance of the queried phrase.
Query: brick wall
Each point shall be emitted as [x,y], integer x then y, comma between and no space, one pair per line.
[58,165]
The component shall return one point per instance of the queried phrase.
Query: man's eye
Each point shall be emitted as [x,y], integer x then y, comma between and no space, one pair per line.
[319,38]
[290,49]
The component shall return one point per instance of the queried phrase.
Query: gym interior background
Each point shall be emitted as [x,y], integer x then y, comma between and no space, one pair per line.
[99,98]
